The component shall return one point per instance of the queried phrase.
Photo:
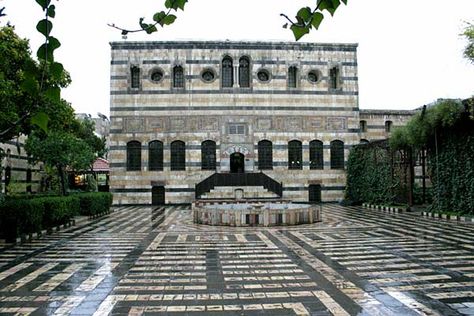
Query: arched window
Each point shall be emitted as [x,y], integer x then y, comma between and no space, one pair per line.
[316,155]
[334,78]
[363,141]
[155,156]
[208,155]
[363,126]
[244,72]
[295,155]
[388,126]
[337,154]
[178,155]
[227,72]
[265,155]
[292,76]
[135,77]
[134,156]
[178,77]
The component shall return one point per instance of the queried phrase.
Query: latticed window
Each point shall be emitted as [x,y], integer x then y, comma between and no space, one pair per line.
[227,72]
[178,155]
[208,155]
[334,77]
[178,77]
[244,72]
[134,156]
[265,155]
[295,155]
[155,156]
[292,76]
[337,154]
[135,77]
[316,155]
[363,126]
[388,126]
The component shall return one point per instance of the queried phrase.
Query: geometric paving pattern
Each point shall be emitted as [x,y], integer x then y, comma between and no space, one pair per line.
[144,261]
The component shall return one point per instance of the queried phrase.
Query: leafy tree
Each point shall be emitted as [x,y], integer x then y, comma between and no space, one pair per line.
[305,20]
[469,35]
[60,150]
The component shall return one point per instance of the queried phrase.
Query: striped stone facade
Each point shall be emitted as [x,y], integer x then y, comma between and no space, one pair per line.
[296,91]
[16,171]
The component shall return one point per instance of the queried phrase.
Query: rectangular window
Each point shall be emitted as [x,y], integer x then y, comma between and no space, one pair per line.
[236,129]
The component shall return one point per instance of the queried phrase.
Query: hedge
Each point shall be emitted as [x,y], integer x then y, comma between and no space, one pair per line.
[96,203]
[28,215]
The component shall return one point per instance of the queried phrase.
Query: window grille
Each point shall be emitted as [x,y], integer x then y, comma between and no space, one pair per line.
[265,155]
[227,72]
[236,129]
[134,156]
[295,155]
[178,155]
[337,154]
[135,77]
[292,76]
[334,78]
[388,126]
[244,72]
[208,155]
[178,77]
[155,156]
[363,126]
[316,155]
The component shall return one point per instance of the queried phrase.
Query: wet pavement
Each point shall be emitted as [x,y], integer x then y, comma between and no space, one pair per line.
[143,260]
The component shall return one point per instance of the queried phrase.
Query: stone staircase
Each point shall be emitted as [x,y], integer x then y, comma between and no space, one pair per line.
[240,192]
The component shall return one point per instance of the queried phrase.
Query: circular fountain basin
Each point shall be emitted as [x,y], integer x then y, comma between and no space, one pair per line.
[254,214]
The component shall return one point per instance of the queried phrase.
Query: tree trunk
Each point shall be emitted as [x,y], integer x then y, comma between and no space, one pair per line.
[61,179]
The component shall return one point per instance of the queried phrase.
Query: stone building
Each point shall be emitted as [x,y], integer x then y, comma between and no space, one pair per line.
[274,119]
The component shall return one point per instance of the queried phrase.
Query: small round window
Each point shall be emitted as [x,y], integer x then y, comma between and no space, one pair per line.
[263,75]
[208,75]
[156,75]
[314,76]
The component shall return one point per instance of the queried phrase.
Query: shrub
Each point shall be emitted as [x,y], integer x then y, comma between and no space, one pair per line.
[21,216]
[95,203]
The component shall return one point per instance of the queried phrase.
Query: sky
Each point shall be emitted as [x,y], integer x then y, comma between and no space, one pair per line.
[409,54]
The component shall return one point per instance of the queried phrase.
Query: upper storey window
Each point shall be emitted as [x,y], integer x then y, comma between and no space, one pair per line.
[135,77]
[236,129]
[334,78]
[292,77]
[178,77]
[363,126]
[388,126]
[227,72]
[244,72]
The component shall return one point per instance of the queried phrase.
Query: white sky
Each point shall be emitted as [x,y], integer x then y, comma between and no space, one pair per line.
[410,52]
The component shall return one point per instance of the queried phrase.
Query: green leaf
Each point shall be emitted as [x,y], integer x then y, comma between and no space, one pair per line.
[169,19]
[43,3]
[345,1]
[158,17]
[181,3]
[41,120]
[43,53]
[44,27]
[168,4]
[51,12]
[56,70]
[317,19]
[30,84]
[53,94]
[150,29]
[299,31]
[305,14]
[53,43]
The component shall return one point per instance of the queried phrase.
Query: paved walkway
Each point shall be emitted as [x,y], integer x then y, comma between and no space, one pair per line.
[142,260]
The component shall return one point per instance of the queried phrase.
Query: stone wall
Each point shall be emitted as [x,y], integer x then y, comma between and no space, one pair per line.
[204,111]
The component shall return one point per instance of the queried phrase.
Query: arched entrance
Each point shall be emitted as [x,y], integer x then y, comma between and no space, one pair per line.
[237,163]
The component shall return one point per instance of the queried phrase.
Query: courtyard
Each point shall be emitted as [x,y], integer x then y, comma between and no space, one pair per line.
[143,260]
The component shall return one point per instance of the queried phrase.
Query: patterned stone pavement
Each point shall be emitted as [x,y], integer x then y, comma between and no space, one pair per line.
[143,260]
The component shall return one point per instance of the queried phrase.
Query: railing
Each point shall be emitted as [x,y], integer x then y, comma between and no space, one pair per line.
[238,179]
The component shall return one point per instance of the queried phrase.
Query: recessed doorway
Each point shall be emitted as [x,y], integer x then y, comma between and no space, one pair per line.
[237,163]
[158,195]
